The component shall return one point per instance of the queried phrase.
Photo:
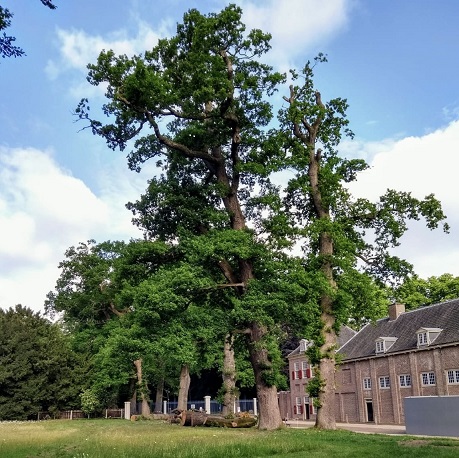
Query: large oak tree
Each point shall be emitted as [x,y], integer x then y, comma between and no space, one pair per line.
[200,97]
[348,240]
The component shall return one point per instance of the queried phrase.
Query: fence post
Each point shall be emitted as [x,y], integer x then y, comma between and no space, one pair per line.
[71,415]
[165,407]
[207,404]
[255,410]
[127,410]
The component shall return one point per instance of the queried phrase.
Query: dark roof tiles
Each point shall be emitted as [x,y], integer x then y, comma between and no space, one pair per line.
[444,316]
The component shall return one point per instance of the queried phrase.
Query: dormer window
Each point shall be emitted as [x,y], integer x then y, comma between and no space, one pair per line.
[303,345]
[383,344]
[426,336]
[422,339]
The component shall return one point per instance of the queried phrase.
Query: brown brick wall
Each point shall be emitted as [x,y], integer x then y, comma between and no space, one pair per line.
[388,403]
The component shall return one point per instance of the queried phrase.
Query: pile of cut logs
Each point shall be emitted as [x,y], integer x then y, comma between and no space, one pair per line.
[201,418]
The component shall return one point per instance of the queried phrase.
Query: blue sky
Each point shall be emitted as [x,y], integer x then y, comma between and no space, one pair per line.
[396,62]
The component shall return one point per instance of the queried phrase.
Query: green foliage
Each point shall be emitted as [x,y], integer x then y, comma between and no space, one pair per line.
[199,104]
[90,403]
[38,370]
[314,388]
[416,292]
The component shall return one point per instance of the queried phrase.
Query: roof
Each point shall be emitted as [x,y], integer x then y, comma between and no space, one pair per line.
[444,316]
[345,333]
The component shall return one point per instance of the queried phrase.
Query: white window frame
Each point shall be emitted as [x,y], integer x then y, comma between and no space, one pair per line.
[452,376]
[384,382]
[405,380]
[367,383]
[428,379]
[304,367]
[423,338]
[380,346]
[296,370]
[426,336]
[384,344]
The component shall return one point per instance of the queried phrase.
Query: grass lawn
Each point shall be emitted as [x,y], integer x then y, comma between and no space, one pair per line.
[121,438]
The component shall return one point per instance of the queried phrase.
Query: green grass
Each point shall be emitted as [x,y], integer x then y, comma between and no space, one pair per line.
[120,438]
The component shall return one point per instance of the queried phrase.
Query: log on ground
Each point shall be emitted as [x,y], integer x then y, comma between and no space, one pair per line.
[193,418]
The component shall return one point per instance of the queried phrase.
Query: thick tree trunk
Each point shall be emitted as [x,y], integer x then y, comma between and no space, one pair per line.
[145,411]
[229,377]
[159,396]
[269,416]
[326,411]
[184,387]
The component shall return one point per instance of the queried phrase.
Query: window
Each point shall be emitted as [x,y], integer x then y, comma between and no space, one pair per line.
[427,335]
[306,370]
[422,338]
[384,382]
[380,346]
[405,381]
[303,345]
[428,378]
[384,344]
[296,374]
[453,376]
[367,383]
[298,407]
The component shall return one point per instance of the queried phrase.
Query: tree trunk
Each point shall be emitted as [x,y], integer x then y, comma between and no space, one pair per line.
[145,411]
[229,377]
[185,380]
[159,396]
[269,416]
[326,411]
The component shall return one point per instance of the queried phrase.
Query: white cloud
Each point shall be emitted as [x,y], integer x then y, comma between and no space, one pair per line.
[296,25]
[78,48]
[43,211]
[421,165]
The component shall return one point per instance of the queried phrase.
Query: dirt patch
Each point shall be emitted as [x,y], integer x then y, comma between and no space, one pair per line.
[430,442]
[415,443]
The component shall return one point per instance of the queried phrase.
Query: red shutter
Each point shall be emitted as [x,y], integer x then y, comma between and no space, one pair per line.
[294,409]
[300,374]
[300,408]
[293,375]
[308,373]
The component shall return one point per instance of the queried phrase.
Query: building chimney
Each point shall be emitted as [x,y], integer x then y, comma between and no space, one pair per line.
[395,310]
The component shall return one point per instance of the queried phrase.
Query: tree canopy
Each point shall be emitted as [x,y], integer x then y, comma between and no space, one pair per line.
[38,369]
[415,292]
[200,104]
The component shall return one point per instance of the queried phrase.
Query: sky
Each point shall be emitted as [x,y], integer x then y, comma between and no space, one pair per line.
[396,62]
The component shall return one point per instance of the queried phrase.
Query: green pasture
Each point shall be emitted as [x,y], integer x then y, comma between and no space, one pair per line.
[120,438]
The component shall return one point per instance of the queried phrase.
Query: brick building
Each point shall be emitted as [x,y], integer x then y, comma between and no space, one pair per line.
[296,402]
[414,353]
